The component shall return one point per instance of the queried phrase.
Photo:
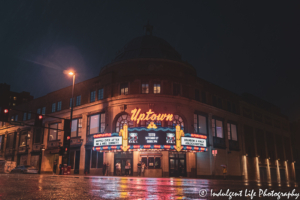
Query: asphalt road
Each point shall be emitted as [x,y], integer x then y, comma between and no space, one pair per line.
[26,186]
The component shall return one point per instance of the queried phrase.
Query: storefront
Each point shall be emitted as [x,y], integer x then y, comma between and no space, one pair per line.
[161,149]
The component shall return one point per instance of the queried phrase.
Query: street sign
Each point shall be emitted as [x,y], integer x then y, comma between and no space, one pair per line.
[16,123]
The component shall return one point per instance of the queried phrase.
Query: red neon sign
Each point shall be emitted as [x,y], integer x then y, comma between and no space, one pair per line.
[113,147]
[136,146]
[198,136]
[136,116]
[147,146]
[102,135]
[105,147]
[167,146]
[157,146]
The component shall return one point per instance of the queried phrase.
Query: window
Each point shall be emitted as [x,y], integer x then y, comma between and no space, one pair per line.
[124,88]
[14,104]
[15,98]
[53,132]
[10,141]
[217,128]
[53,107]
[76,127]
[23,139]
[203,95]
[151,162]
[97,159]
[38,111]
[200,123]
[197,96]
[29,115]
[59,106]
[145,88]
[232,132]
[100,94]
[156,88]
[176,120]
[71,102]
[93,96]
[12,118]
[44,110]
[176,89]
[96,123]
[16,118]
[24,116]
[38,135]
[78,100]
[123,119]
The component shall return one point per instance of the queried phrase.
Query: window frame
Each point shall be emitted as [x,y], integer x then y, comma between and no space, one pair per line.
[145,88]
[123,86]
[214,133]
[44,110]
[236,126]
[24,116]
[93,96]
[56,132]
[78,103]
[53,107]
[77,131]
[100,123]
[206,117]
[59,104]
[100,93]
[155,88]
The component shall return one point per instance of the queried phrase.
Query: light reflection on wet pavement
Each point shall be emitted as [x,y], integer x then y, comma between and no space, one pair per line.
[23,186]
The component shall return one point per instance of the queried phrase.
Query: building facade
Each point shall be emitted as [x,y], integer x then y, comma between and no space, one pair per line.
[251,137]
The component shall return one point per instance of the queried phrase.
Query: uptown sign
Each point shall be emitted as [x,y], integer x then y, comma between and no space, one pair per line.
[150,115]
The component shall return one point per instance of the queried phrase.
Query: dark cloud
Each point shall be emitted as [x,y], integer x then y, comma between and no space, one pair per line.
[242,46]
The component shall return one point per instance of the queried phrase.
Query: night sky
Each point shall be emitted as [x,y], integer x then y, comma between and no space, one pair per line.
[241,46]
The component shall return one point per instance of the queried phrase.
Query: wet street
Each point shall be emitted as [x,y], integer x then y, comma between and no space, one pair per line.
[25,186]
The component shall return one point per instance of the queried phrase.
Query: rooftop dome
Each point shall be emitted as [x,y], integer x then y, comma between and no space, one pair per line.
[147,46]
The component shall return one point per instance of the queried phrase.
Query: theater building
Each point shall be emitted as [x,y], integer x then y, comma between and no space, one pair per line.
[148,105]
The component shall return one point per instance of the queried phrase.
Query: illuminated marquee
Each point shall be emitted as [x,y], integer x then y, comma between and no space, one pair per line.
[189,141]
[107,141]
[136,116]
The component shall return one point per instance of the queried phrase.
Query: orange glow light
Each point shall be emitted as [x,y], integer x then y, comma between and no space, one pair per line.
[136,116]
[147,146]
[71,73]
[199,136]
[102,135]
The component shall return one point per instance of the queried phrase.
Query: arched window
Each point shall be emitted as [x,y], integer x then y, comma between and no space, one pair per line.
[123,119]
[176,120]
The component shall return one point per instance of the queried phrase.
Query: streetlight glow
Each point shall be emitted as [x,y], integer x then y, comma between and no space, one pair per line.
[71,73]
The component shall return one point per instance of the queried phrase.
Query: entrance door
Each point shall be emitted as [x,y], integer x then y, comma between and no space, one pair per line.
[77,158]
[124,158]
[177,165]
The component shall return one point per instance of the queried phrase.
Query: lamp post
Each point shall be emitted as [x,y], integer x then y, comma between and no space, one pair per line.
[71,115]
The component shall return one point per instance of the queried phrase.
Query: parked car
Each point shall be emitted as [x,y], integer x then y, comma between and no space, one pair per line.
[25,169]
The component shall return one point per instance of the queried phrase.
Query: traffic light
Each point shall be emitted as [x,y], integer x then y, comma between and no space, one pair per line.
[38,120]
[4,114]
[67,131]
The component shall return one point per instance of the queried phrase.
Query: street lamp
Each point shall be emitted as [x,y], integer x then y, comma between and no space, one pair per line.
[71,114]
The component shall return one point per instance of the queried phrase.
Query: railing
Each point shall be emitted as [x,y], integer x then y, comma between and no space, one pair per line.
[23,149]
[36,147]
[219,142]
[76,141]
[234,145]
[54,144]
